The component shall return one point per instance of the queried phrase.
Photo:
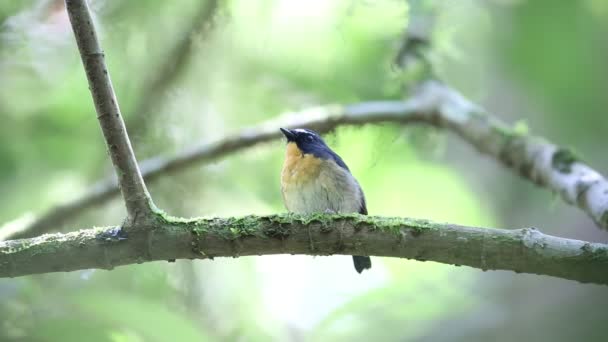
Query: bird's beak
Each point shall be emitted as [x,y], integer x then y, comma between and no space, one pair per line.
[289,134]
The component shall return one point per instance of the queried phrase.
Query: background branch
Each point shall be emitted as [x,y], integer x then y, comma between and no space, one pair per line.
[433,103]
[136,196]
[524,251]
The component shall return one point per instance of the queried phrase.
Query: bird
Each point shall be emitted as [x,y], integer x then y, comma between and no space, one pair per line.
[314,179]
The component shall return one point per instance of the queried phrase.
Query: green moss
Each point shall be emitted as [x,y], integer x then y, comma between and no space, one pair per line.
[586,247]
[197,225]
[563,159]
[395,224]
[229,228]
[243,226]
[512,145]
[594,253]
[505,132]
[281,226]
[285,222]
[600,254]
[521,128]
[164,217]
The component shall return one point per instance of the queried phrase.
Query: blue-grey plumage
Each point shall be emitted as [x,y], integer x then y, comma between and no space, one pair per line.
[316,180]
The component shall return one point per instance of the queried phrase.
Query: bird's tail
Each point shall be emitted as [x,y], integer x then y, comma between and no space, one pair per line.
[362,263]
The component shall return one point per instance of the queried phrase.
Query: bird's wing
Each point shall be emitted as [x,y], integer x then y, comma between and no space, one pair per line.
[363,209]
[336,158]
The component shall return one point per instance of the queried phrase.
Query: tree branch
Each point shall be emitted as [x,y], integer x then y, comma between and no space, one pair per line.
[524,251]
[136,196]
[159,237]
[434,103]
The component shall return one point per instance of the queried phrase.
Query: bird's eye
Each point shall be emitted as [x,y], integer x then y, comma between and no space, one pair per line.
[309,138]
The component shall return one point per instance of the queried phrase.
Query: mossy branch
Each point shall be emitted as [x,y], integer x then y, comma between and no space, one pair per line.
[523,251]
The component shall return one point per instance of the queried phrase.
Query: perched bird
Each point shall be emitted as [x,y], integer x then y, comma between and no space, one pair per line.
[316,180]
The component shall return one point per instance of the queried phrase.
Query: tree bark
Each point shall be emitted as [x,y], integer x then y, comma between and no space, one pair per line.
[134,192]
[523,251]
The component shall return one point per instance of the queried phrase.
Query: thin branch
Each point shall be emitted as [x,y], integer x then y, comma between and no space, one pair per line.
[435,104]
[416,40]
[136,196]
[523,251]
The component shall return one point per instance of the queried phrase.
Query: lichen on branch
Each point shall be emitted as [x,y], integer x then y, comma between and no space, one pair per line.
[524,250]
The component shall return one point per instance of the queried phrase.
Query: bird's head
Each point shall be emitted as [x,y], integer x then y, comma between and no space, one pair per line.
[302,141]
[306,141]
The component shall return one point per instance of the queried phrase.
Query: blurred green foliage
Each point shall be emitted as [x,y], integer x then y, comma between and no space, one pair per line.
[538,62]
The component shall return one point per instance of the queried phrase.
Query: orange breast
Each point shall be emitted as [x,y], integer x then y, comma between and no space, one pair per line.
[298,168]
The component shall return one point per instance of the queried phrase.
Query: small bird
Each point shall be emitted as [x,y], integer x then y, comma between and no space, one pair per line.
[316,180]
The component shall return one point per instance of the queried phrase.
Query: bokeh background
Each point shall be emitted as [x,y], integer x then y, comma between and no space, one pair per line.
[536,64]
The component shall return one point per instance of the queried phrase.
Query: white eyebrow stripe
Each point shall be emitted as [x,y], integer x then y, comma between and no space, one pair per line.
[299,130]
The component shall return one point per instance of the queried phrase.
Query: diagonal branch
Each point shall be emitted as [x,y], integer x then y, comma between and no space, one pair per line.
[523,251]
[435,104]
[134,192]
[534,158]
